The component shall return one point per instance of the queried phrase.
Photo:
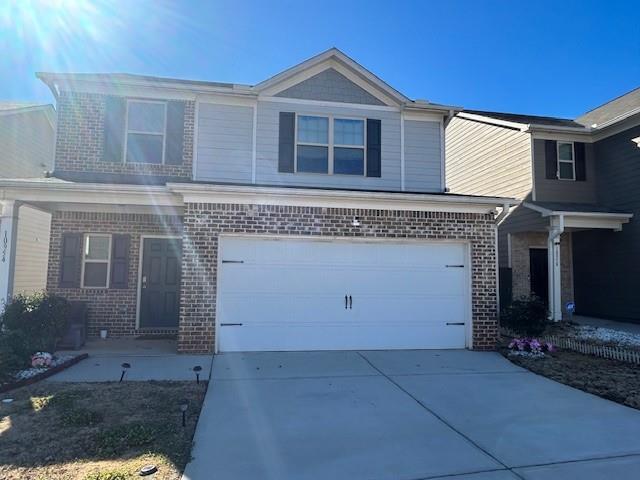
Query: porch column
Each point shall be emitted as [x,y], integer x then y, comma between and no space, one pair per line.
[8,236]
[555,279]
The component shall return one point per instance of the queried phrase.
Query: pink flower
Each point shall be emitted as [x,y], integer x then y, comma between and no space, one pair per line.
[41,360]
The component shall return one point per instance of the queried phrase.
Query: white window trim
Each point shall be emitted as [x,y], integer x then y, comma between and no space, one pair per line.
[572,161]
[127,131]
[330,146]
[87,260]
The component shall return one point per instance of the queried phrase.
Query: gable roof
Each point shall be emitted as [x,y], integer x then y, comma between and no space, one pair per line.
[617,109]
[339,61]
[332,58]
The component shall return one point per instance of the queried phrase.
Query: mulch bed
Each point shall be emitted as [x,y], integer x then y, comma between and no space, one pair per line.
[610,379]
[5,387]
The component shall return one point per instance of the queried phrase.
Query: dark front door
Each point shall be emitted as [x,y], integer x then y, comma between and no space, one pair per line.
[160,287]
[539,273]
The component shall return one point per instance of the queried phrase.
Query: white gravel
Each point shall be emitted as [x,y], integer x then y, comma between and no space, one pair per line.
[607,335]
[32,372]
[519,353]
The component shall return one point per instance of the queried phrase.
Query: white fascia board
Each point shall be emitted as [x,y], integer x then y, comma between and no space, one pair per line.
[232,194]
[555,213]
[532,127]
[144,89]
[88,193]
[493,121]
[573,221]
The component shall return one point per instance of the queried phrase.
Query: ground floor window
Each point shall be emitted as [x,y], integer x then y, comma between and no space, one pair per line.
[96,257]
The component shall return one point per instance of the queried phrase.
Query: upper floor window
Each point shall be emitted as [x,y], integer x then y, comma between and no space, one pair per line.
[330,145]
[96,257]
[145,132]
[566,161]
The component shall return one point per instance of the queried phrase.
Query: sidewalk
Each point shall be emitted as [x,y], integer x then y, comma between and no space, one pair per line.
[632,328]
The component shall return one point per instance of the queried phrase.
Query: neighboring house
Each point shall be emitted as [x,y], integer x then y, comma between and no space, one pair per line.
[307,212]
[27,138]
[578,183]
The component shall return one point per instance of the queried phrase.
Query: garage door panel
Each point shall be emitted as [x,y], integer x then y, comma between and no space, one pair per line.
[333,337]
[288,294]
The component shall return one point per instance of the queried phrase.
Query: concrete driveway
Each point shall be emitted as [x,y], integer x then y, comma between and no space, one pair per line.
[404,415]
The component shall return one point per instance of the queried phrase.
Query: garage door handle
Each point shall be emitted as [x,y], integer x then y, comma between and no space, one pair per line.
[345,302]
[455,323]
[350,302]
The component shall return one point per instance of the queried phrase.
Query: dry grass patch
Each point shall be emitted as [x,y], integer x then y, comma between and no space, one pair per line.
[99,431]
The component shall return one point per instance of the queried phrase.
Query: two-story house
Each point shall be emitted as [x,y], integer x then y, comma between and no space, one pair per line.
[573,238]
[27,138]
[306,212]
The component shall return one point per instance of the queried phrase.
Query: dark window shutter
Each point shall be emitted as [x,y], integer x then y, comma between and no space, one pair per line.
[120,261]
[114,123]
[374,148]
[286,143]
[175,133]
[70,258]
[581,167]
[551,159]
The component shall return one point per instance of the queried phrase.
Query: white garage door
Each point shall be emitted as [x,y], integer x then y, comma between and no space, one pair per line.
[300,294]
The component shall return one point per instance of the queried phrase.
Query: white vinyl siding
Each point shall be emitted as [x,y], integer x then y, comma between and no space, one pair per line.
[267,148]
[422,155]
[488,160]
[32,250]
[225,143]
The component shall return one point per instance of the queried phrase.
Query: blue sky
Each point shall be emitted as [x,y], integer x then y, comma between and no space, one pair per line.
[540,57]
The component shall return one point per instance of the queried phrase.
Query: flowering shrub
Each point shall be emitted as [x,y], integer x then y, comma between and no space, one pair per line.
[531,345]
[41,360]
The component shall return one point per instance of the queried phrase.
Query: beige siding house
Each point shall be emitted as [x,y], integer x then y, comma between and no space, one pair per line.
[27,139]
[546,163]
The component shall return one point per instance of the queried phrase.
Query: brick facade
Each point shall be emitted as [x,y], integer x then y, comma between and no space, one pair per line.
[113,309]
[204,222]
[79,145]
[520,245]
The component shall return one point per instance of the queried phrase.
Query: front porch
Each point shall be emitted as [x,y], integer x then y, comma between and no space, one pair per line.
[540,251]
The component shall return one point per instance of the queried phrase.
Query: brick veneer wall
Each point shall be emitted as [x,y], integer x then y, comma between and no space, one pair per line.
[113,309]
[80,139]
[521,268]
[204,222]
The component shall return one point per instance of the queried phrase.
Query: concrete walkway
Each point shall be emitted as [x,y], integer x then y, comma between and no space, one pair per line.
[404,415]
[149,360]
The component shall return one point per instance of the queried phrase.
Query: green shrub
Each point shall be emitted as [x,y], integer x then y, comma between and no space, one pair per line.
[30,324]
[525,316]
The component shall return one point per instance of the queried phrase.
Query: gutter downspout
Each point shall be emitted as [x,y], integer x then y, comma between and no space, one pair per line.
[554,269]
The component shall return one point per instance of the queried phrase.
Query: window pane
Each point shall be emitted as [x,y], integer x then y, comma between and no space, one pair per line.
[146,117]
[313,129]
[96,248]
[565,151]
[95,274]
[143,148]
[348,132]
[349,161]
[566,170]
[313,159]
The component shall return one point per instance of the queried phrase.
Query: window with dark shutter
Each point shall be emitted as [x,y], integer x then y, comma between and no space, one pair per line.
[70,259]
[374,148]
[286,143]
[114,125]
[120,261]
[175,133]
[551,159]
[581,166]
